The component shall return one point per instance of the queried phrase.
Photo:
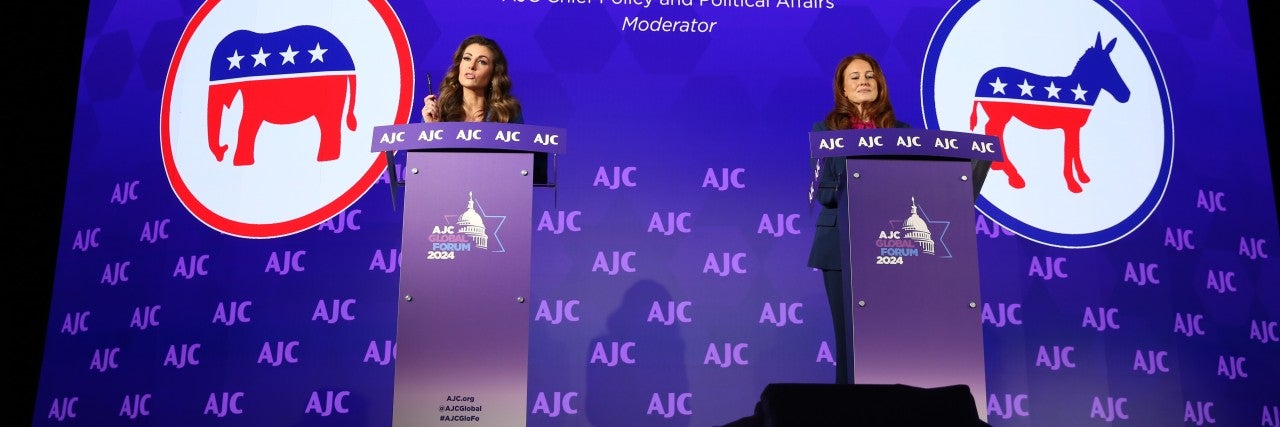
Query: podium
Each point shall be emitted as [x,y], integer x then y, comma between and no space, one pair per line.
[914,315]
[462,325]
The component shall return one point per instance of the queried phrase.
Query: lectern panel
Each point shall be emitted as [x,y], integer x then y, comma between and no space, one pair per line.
[914,274]
[463,321]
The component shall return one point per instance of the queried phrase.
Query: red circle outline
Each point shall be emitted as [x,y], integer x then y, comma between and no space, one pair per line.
[284,228]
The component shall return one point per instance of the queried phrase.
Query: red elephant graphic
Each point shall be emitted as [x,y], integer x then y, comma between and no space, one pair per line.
[283,77]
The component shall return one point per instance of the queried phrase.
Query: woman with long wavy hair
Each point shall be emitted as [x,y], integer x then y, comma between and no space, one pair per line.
[477,87]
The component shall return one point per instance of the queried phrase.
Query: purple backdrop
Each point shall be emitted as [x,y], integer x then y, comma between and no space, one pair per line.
[668,278]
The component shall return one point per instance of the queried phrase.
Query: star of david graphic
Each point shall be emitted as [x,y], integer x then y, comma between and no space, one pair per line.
[492,222]
[937,228]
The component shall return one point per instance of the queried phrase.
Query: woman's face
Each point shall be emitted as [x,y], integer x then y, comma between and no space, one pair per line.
[476,68]
[859,83]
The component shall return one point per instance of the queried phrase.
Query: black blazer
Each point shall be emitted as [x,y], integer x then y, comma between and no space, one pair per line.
[829,191]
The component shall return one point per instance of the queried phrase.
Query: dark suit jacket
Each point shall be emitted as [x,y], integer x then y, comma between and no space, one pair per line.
[829,191]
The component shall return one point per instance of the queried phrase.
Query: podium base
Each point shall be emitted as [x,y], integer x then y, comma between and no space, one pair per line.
[790,404]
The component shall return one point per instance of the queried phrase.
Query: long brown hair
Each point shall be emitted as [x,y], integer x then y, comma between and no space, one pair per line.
[499,104]
[879,111]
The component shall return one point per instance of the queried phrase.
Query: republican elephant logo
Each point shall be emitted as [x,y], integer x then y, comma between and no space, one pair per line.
[258,130]
[283,77]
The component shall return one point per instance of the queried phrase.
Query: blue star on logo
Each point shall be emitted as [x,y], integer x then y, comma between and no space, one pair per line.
[937,228]
[495,242]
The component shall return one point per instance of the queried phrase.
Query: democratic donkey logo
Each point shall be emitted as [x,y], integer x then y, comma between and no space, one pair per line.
[1040,102]
[1078,103]
[263,131]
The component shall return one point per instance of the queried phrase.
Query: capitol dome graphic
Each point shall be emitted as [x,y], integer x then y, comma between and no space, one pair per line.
[471,224]
[917,230]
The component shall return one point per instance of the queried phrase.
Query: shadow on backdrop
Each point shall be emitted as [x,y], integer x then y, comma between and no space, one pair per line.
[635,361]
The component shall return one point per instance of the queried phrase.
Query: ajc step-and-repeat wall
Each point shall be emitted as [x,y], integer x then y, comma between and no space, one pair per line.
[230,247]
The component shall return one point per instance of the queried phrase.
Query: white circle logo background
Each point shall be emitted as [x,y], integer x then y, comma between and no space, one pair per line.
[286,190]
[1126,148]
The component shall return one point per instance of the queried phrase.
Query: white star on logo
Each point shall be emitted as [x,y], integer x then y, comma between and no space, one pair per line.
[1026,88]
[260,58]
[1053,90]
[1079,91]
[317,54]
[288,55]
[235,59]
[997,87]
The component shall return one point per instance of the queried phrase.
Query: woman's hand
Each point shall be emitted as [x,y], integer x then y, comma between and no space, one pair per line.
[430,109]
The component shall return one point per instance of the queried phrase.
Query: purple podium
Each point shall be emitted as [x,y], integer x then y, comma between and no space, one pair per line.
[462,325]
[914,316]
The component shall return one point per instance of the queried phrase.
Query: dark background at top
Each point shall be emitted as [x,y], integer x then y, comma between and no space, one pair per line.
[44,47]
